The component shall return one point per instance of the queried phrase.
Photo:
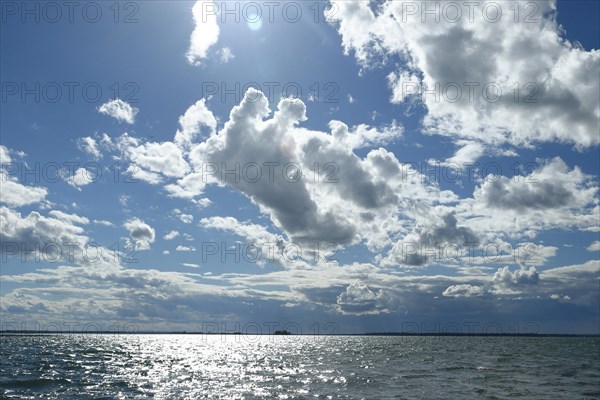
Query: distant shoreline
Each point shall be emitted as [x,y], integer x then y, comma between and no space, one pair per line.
[406,334]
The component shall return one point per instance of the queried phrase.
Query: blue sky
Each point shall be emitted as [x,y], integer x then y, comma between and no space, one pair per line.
[426,210]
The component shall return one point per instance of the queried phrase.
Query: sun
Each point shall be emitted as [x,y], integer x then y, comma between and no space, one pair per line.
[254,21]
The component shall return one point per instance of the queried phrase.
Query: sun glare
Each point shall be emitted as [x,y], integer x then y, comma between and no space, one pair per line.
[254,22]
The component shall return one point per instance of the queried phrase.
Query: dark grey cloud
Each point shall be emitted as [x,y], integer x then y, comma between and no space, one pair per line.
[504,195]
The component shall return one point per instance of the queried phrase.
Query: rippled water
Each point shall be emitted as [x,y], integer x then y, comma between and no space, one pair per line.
[347,367]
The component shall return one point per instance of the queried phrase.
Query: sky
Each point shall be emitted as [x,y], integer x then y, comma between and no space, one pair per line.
[319,167]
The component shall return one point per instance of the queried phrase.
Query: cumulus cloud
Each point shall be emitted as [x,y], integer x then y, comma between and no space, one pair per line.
[242,142]
[502,282]
[373,198]
[81,177]
[301,205]
[156,158]
[358,299]
[195,118]
[577,284]
[262,244]
[429,236]
[552,196]
[504,277]
[312,184]
[551,186]
[72,218]
[189,187]
[185,218]
[119,110]
[4,155]
[206,31]
[15,194]
[151,162]
[595,246]
[185,248]
[90,146]
[37,237]
[464,290]
[141,233]
[171,235]
[540,83]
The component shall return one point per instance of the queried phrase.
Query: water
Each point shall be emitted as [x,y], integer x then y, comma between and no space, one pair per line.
[298,367]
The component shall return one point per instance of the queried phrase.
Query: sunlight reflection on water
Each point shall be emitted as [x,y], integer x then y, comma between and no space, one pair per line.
[247,367]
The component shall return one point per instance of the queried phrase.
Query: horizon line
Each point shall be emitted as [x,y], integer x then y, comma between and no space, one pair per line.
[392,333]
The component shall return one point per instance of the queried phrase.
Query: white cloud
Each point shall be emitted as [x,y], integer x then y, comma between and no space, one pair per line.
[573,271]
[206,31]
[551,186]
[430,233]
[271,246]
[595,246]
[4,155]
[196,117]
[464,290]
[15,194]
[400,82]
[501,252]
[136,173]
[124,200]
[141,233]
[580,281]
[185,248]
[225,55]
[253,232]
[119,110]
[556,296]
[467,154]
[557,81]
[190,265]
[71,218]
[375,200]
[346,199]
[504,278]
[103,222]
[358,299]
[88,145]
[81,177]
[309,209]
[37,237]
[552,196]
[36,227]
[503,282]
[151,159]
[185,218]
[189,187]
[88,293]
[171,235]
